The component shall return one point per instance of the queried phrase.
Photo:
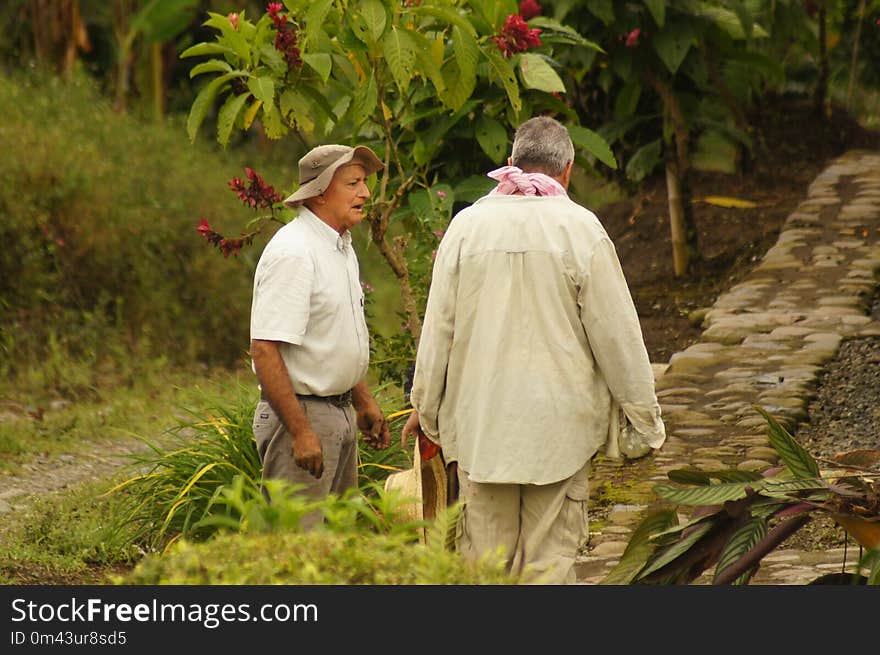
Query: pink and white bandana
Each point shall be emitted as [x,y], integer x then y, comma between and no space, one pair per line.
[512,179]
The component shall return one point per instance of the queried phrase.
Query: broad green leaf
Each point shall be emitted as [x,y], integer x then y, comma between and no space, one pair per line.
[314,18]
[263,89]
[400,53]
[538,74]
[644,161]
[212,66]
[200,49]
[272,121]
[296,108]
[671,553]
[227,115]
[458,86]
[694,476]
[737,24]
[627,101]
[425,58]
[740,543]
[552,31]
[658,10]
[593,143]
[203,102]
[689,476]
[321,63]
[467,53]
[232,37]
[602,9]
[503,72]
[492,138]
[798,460]
[713,494]
[371,25]
[446,16]
[474,187]
[364,102]
[640,547]
[673,43]
[273,59]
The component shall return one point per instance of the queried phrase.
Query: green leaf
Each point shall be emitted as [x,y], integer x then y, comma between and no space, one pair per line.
[644,161]
[371,25]
[627,101]
[602,9]
[234,38]
[741,542]
[212,66]
[321,63]
[458,88]
[299,109]
[364,102]
[200,49]
[227,115]
[538,74]
[689,476]
[503,72]
[492,138]
[273,59]
[467,53]
[446,16]
[713,494]
[552,31]
[673,43]
[203,102]
[272,121]
[640,547]
[474,187]
[658,10]
[400,53]
[314,18]
[593,143]
[425,59]
[798,460]
[263,89]
[669,555]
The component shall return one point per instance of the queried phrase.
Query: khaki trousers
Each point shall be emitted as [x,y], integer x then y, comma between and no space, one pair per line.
[539,527]
[336,427]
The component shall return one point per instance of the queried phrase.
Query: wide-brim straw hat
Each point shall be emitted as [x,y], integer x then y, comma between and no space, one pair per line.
[317,166]
[423,487]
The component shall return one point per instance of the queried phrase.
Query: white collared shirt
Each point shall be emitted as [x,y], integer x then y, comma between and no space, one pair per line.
[530,331]
[308,296]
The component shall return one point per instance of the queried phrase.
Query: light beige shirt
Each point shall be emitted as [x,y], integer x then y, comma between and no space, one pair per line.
[529,332]
[308,295]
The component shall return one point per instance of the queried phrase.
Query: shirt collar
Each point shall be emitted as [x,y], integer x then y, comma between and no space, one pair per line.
[326,233]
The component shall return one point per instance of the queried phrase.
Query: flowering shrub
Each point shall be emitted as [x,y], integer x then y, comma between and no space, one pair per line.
[516,36]
[286,39]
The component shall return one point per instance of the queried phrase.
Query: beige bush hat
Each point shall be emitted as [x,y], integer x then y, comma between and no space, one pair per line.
[423,486]
[317,166]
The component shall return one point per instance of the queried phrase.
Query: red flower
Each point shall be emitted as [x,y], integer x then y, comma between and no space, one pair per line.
[285,39]
[233,19]
[226,246]
[528,9]
[516,36]
[632,39]
[257,194]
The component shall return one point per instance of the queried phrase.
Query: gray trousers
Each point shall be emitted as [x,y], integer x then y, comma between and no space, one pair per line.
[539,528]
[336,427]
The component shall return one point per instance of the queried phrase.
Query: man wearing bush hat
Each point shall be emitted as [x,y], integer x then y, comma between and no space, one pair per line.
[309,341]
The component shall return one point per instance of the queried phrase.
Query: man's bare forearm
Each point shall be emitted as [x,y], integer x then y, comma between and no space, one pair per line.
[276,385]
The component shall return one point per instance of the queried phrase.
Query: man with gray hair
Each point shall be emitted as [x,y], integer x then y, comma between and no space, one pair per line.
[530,344]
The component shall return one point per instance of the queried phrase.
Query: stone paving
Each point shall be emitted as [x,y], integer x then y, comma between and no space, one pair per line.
[765,342]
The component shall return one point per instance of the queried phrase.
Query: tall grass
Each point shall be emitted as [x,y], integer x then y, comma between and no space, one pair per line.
[102,272]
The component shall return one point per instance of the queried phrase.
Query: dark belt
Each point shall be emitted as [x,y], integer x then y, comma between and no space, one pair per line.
[339,400]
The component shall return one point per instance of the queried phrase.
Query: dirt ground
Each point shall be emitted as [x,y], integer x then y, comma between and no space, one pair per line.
[797,147]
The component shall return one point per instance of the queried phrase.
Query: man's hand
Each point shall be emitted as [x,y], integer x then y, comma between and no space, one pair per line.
[307,452]
[374,427]
[427,448]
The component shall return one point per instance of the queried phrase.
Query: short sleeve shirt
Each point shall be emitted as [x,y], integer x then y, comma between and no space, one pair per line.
[308,297]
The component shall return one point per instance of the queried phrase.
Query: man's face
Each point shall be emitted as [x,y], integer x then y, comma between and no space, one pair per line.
[343,201]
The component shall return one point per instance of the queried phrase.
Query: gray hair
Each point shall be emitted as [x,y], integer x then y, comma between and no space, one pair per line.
[542,144]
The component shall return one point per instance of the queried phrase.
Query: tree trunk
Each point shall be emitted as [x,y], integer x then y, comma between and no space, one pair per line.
[677,225]
[157,81]
[855,53]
